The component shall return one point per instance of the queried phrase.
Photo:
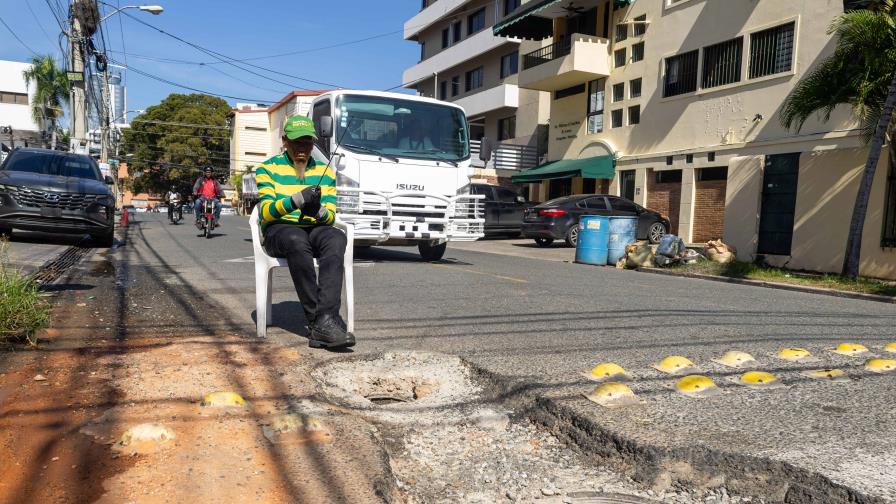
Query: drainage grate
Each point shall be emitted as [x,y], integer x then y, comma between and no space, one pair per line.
[56,267]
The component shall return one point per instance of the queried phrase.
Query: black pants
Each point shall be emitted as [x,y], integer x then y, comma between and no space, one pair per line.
[299,246]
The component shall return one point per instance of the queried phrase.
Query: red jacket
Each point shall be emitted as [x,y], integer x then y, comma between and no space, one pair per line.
[198,185]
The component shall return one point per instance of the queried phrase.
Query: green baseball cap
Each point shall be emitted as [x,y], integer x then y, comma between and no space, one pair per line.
[299,126]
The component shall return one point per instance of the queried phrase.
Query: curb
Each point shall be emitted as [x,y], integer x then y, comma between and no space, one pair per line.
[775,285]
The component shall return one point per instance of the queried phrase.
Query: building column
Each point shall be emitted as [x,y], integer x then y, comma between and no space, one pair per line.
[578,185]
[686,210]
[641,175]
[743,198]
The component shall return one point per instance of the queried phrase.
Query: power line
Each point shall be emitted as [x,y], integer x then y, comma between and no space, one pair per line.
[180,134]
[208,126]
[39,24]
[17,38]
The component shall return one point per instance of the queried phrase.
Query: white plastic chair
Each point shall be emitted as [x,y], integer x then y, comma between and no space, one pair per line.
[264,275]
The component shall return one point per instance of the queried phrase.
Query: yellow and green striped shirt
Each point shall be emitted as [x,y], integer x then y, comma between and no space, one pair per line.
[277,182]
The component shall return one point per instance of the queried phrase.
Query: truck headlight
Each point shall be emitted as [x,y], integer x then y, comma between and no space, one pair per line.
[347,201]
[343,180]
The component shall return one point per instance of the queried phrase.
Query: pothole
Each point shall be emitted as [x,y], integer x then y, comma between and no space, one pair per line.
[401,387]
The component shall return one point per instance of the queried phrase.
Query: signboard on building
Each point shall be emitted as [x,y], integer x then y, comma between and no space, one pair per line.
[105,169]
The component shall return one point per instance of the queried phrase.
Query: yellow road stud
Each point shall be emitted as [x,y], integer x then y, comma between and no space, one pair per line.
[697,386]
[759,379]
[837,375]
[606,371]
[735,359]
[794,354]
[890,347]
[613,395]
[675,365]
[223,400]
[850,349]
[880,365]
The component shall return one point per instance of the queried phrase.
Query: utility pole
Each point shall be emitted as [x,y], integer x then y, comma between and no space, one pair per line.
[78,100]
[105,115]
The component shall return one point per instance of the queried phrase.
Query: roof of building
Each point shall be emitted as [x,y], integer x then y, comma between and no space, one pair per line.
[294,94]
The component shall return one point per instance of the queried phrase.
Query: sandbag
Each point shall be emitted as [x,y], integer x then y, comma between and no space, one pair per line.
[719,252]
[670,246]
[639,255]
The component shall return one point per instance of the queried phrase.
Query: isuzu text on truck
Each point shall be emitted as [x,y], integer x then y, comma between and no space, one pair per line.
[402,168]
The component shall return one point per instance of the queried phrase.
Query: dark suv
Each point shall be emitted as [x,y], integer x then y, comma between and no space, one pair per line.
[503,209]
[57,192]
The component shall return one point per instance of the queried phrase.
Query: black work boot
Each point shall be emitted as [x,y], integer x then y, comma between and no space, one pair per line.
[328,331]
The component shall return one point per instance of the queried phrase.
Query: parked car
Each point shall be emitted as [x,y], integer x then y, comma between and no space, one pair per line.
[57,192]
[504,209]
[558,219]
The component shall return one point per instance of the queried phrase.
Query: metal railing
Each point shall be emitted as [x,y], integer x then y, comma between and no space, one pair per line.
[506,156]
[547,53]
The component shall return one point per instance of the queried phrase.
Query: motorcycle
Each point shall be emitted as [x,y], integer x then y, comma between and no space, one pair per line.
[207,218]
[175,212]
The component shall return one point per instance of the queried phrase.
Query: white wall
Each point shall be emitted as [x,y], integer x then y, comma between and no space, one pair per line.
[11,80]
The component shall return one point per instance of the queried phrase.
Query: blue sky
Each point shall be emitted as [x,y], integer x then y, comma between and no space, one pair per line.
[238,29]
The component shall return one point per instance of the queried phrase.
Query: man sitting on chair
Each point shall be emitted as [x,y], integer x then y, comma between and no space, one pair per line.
[297,209]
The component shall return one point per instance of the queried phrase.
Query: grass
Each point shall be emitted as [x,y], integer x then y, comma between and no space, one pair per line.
[753,271]
[23,311]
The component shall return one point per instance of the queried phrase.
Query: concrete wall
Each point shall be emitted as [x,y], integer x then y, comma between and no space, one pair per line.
[11,114]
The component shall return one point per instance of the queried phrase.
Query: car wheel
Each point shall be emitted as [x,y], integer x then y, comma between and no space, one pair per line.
[7,232]
[572,235]
[544,242]
[430,252]
[656,232]
[105,240]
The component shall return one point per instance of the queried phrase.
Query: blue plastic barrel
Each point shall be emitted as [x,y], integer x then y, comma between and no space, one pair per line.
[623,231]
[591,246]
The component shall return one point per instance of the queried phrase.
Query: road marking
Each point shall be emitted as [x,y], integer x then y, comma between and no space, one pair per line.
[500,277]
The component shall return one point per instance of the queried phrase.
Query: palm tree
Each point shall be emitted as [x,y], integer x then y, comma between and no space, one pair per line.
[52,90]
[861,73]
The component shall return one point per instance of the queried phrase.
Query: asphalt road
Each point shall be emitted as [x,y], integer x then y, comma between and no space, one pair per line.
[542,322]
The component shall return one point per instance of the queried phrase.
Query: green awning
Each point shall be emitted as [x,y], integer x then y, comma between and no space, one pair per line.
[533,28]
[598,167]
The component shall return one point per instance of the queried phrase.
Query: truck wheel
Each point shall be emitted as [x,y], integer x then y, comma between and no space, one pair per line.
[431,252]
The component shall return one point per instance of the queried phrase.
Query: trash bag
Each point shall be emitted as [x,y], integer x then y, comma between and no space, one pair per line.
[670,246]
[719,252]
[639,255]
[690,256]
[663,261]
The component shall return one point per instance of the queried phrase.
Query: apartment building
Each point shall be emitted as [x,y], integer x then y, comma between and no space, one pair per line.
[19,128]
[675,104]
[462,61]
[255,129]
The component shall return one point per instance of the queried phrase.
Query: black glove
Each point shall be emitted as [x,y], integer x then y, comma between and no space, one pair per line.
[307,200]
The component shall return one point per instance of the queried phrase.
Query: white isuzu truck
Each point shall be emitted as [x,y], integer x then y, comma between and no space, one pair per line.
[402,168]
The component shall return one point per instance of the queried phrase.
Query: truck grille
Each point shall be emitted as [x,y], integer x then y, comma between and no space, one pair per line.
[51,199]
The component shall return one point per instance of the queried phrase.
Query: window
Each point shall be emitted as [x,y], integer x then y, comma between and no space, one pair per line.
[711,157]
[455,32]
[507,128]
[638,52]
[689,158]
[616,118]
[446,38]
[634,88]
[476,21]
[888,237]
[639,27]
[509,65]
[707,174]
[771,51]
[14,98]
[623,205]
[634,115]
[422,51]
[255,128]
[321,109]
[261,154]
[668,160]
[618,92]
[722,62]
[570,91]
[619,56]
[443,90]
[594,203]
[596,106]
[668,177]
[455,85]
[505,195]
[510,6]
[474,79]
[621,32]
[681,74]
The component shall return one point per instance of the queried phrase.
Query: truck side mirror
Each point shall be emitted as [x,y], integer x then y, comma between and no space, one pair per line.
[325,127]
[108,180]
[485,150]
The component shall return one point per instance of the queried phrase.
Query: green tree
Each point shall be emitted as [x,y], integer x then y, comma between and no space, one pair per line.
[51,91]
[860,73]
[170,142]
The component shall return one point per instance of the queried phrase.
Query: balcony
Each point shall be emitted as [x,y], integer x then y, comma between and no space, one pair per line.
[506,156]
[501,96]
[465,50]
[573,60]
[433,13]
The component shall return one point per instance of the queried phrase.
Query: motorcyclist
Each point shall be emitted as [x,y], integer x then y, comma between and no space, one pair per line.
[207,188]
[172,197]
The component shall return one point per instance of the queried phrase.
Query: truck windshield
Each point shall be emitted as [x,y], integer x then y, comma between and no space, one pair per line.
[393,127]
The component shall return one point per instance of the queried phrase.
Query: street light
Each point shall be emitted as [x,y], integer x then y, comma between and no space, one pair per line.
[152,9]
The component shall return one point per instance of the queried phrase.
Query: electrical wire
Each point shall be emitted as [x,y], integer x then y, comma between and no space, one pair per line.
[39,24]
[169,123]
[17,38]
